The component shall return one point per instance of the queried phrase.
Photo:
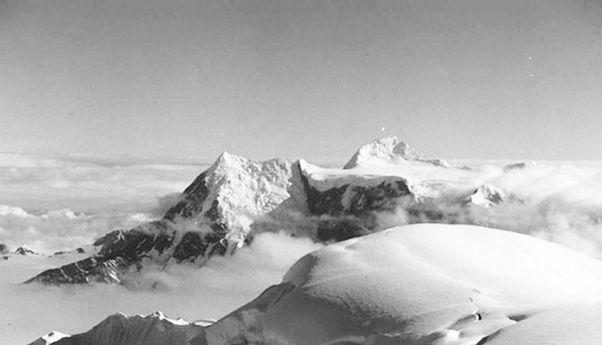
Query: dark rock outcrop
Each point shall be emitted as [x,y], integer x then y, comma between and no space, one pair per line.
[120,251]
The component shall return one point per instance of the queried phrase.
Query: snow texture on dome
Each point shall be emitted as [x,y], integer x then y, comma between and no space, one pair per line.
[425,284]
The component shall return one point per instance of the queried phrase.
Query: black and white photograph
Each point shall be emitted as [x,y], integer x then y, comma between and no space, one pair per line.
[300,172]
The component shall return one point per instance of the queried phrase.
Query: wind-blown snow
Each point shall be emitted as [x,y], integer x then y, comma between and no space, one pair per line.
[423,284]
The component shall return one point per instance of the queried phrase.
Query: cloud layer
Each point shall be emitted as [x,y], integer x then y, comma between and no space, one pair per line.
[60,230]
[90,185]
[52,204]
[557,201]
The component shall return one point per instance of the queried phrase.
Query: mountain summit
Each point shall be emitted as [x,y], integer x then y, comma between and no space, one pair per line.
[389,150]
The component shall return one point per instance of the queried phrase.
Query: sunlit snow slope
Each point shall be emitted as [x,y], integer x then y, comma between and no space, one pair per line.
[426,284]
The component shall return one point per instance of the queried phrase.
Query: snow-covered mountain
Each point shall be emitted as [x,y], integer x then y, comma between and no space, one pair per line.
[487,196]
[386,151]
[24,250]
[428,284]
[236,197]
[153,329]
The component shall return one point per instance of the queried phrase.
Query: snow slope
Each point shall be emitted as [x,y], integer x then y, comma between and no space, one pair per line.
[50,338]
[426,284]
[573,325]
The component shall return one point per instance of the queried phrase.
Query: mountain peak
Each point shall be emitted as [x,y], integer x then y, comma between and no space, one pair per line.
[118,328]
[227,160]
[24,250]
[387,150]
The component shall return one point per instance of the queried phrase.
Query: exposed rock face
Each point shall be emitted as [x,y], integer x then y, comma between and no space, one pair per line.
[121,251]
[235,197]
[117,329]
[356,200]
[515,166]
[92,269]
[349,210]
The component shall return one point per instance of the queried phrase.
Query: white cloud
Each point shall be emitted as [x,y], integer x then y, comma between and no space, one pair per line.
[52,204]
[559,202]
[58,230]
[95,185]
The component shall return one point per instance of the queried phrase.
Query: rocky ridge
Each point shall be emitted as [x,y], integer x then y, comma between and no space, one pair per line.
[153,329]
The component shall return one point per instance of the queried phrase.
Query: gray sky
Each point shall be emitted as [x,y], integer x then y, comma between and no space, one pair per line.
[456,79]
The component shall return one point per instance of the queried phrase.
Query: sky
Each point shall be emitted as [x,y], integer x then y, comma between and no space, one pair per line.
[480,79]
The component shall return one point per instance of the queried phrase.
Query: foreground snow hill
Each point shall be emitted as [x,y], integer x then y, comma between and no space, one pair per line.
[237,197]
[427,284]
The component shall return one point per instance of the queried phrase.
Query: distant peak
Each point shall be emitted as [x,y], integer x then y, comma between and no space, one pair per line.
[24,250]
[401,148]
[389,150]
[487,195]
